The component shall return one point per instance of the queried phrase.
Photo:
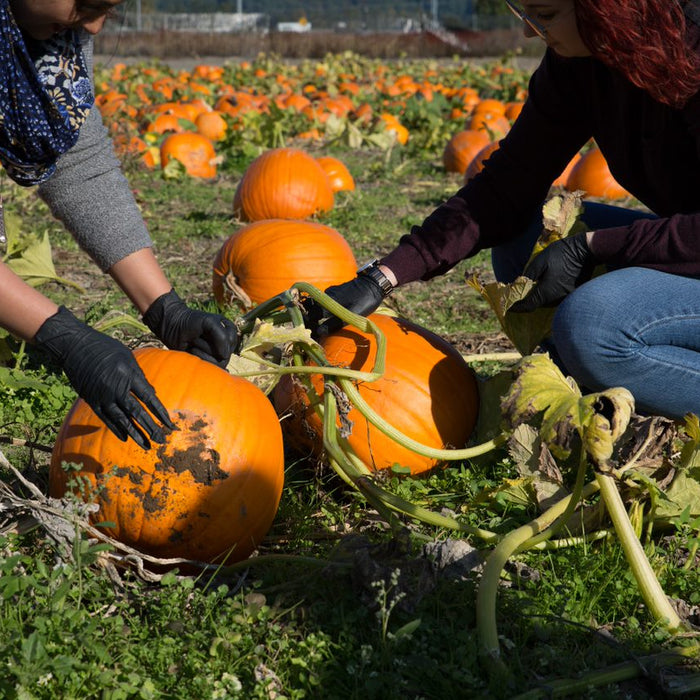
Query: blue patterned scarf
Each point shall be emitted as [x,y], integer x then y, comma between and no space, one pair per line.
[45,96]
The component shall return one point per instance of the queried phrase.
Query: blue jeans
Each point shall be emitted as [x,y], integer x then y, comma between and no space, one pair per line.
[634,327]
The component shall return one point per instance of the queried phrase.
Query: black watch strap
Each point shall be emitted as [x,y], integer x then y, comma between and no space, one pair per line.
[371,269]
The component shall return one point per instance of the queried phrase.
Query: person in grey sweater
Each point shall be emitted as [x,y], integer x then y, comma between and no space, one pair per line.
[52,136]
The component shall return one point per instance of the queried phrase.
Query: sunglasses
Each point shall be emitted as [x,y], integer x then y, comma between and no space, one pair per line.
[520,14]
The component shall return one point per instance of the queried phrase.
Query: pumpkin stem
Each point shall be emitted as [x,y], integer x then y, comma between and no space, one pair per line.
[233,291]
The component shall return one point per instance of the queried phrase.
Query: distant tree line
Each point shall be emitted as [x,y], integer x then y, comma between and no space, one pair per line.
[327,13]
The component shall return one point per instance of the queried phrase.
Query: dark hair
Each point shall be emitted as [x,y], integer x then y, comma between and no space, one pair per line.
[646,41]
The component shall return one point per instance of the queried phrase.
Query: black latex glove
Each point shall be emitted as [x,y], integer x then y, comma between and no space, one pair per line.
[361,295]
[105,374]
[211,337]
[558,270]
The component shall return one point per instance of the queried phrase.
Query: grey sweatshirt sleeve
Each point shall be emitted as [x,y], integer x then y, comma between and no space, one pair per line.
[89,194]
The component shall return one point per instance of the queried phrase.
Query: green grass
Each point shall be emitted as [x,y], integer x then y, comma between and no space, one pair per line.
[369,617]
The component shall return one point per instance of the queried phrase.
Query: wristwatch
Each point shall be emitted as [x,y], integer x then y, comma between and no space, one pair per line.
[371,269]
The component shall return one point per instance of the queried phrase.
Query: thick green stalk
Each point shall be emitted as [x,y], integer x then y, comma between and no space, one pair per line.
[409,443]
[652,593]
[517,540]
[624,671]
[486,625]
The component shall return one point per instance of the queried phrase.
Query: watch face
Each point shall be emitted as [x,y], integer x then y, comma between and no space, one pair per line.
[367,266]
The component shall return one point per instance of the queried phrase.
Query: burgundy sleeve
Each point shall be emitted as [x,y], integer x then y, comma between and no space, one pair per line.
[500,202]
[667,244]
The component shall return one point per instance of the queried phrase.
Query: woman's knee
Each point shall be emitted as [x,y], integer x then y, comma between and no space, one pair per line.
[586,332]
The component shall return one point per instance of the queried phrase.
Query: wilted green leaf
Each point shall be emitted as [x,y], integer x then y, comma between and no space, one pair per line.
[264,339]
[684,491]
[525,330]
[534,461]
[599,419]
[174,170]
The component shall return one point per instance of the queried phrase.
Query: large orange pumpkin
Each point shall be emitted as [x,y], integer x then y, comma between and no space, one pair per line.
[283,183]
[214,486]
[428,392]
[592,175]
[461,149]
[267,257]
[194,151]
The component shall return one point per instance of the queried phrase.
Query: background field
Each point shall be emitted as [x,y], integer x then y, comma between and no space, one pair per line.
[335,605]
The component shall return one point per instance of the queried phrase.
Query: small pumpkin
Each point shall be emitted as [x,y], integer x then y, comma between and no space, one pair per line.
[212,125]
[461,149]
[267,257]
[283,183]
[592,175]
[338,173]
[392,123]
[194,151]
[210,493]
[428,392]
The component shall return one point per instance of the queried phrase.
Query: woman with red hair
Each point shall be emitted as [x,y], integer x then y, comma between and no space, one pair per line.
[625,73]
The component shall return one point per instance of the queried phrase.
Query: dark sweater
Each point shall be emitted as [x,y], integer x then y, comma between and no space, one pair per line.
[652,150]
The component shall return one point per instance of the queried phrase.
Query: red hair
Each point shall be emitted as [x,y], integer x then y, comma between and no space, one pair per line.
[645,40]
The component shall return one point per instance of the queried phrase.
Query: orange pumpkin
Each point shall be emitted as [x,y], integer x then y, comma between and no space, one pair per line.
[212,487]
[267,257]
[194,151]
[513,110]
[477,163]
[491,123]
[592,175]
[338,174]
[212,125]
[165,123]
[461,149]
[428,392]
[391,123]
[283,183]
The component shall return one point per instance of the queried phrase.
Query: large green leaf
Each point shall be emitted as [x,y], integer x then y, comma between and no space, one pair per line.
[525,330]
[560,216]
[29,256]
[599,419]
[684,491]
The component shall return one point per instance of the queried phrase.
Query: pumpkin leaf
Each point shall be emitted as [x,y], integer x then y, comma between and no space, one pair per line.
[534,461]
[33,262]
[525,330]
[382,139]
[353,136]
[334,127]
[683,493]
[266,336]
[265,339]
[598,419]
[174,170]
[560,216]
